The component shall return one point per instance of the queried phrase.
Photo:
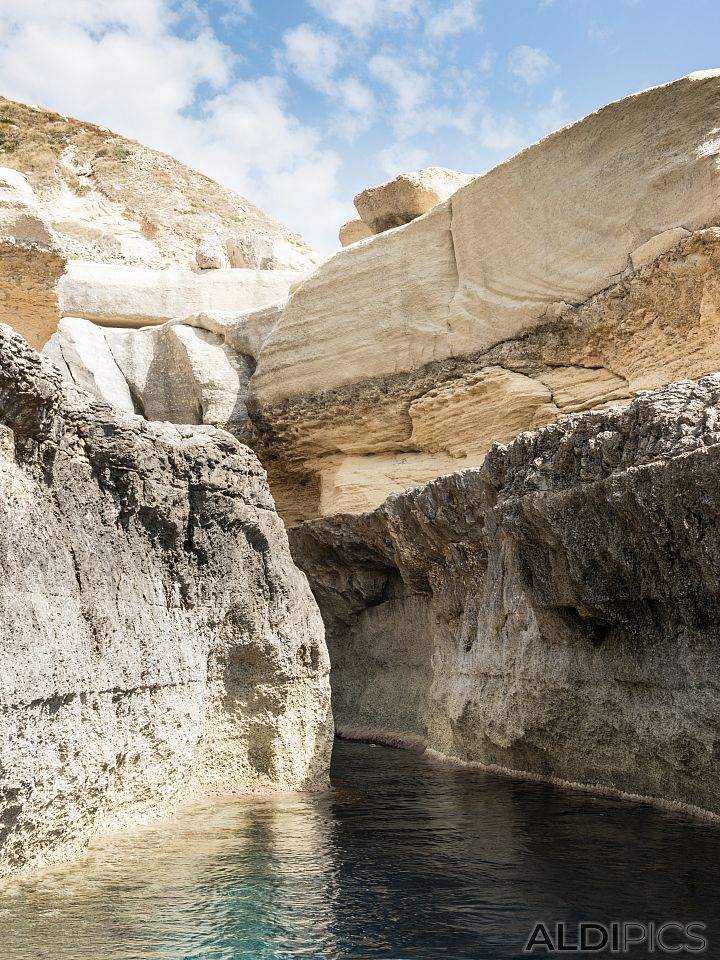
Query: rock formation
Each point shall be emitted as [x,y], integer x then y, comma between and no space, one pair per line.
[156,638]
[353,231]
[133,226]
[570,277]
[553,612]
[406,198]
[31,261]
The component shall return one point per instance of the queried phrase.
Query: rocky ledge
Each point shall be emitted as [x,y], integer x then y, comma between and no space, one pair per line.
[156,638]
[554,611]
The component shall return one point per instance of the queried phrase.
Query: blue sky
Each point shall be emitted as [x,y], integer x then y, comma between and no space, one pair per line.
[298,105]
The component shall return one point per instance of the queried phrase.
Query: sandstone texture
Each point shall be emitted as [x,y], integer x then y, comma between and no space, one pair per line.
[407,197]
[115,295]
[554,611]
[156,638]
[353,231]
[579,272]
[31,260]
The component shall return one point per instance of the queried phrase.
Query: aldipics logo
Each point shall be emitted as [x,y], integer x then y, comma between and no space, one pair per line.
[618,937]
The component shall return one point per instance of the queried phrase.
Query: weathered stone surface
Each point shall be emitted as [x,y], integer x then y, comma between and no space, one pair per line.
[137,296]
[554,612]
[211,254]
[184,374]
[81,350]
[156,638]
[30,261]
[407,197]
[353,231]
[106,201]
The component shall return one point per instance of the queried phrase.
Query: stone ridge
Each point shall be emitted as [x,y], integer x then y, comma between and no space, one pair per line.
[156,639]
[554,612]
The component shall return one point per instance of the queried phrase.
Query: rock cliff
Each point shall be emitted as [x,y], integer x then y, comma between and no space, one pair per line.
[553,612]
[577,273]
[156,638]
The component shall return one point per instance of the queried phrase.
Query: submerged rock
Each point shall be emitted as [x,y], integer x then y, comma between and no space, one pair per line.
[554,612]
[155,637]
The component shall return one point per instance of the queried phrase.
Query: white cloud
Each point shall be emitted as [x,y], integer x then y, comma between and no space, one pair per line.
[360,15]
[313,55]
[457,18]
[121,64]
[530,64]
[402,158]
[410,89]
[500,132]
[554,114]
[601,34]
[357,108]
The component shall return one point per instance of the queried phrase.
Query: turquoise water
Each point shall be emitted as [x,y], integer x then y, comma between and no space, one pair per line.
[405,858]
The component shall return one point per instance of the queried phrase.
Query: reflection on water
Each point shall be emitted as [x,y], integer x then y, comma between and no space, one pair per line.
[406,858]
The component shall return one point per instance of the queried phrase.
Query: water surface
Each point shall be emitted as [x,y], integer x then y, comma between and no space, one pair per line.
[405,858]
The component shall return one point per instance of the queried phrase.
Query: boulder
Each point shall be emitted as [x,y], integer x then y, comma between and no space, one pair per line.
[157,641]
[353,231]
[211,254]
[407,197]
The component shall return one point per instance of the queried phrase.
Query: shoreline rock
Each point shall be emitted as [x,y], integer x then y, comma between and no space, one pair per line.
[156,637]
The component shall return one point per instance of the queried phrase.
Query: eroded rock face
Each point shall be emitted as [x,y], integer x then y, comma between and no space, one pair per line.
[31,261]
[156,639]
[137,232]
[579,272]
[554,612]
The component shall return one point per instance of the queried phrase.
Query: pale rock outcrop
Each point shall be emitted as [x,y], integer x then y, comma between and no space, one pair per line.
[137,296]
[156,638]
[353,231]
[211,254]
[570,277]
[30,260]
[81,350]
[554,612]
[407,197]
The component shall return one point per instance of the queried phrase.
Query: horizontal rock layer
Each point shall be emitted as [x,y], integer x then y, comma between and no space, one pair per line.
[554,612]
[570,277]
[155,636]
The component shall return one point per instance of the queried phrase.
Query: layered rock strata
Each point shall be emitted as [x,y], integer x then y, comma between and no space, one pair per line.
[156,638]
[553,612]
[570,277]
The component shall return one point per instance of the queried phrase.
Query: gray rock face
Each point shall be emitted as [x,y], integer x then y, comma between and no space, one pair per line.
[156,639]
[555,611]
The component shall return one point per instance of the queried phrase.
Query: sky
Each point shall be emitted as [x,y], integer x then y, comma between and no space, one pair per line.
[299,105]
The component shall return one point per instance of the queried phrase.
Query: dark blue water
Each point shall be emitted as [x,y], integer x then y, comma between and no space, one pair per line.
[405,858]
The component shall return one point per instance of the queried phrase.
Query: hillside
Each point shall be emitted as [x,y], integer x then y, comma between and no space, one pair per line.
[113,200]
